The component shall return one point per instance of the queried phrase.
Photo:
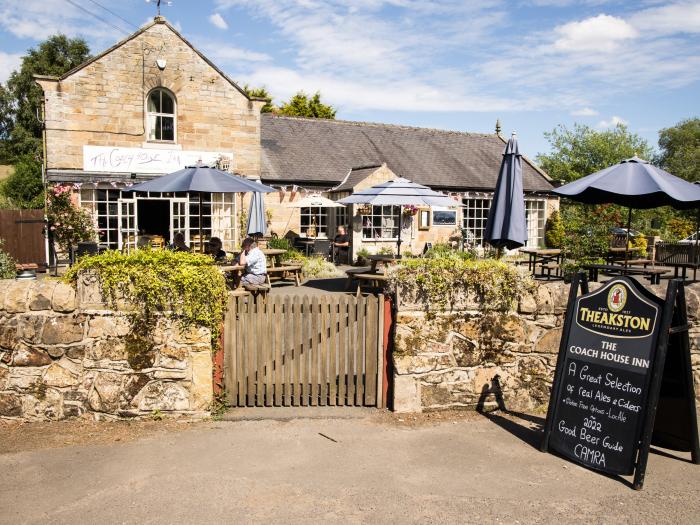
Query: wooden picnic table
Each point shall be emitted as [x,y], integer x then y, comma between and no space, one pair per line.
[653,274]
[382,259]
[542,257]
[274,254]
[233,271]
[372,275]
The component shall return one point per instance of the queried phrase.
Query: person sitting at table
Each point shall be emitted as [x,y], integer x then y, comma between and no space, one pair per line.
[214,248]
[179,244]
[341,243]
[253,259]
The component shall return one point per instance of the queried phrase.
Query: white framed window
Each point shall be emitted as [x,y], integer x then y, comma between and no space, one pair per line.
[314,218]
[103,205]
[161,121]
[536,217]
[476,213]
[223,214]
[382,223]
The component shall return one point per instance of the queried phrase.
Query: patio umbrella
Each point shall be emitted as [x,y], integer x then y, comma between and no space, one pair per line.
[400,192]
[506,226]
[636,184]
[315,201]
[201,179]
[257,221]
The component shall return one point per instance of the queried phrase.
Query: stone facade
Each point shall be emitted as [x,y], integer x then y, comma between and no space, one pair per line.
[104,102]
[64,354]
[451,360]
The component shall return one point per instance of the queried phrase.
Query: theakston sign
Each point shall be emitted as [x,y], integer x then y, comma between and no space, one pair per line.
[145,160]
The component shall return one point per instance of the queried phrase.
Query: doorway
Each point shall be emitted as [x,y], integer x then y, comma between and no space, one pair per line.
[154,217]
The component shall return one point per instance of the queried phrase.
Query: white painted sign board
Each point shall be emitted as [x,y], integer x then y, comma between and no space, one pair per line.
[145,160]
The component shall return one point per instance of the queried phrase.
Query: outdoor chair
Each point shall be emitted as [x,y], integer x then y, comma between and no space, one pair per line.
[322,247]
[86,248]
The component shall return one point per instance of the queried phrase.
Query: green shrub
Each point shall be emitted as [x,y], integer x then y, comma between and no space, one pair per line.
[282,243]
[444,250]
[8,269]
[554,231]
[587,237]
[444,282]
[316,267]
[68,223]
[24,187]
[186,286]
[385,251]
[638,245]
[679,228]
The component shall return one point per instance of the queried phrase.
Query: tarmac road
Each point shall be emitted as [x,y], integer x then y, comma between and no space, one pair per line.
[371,469]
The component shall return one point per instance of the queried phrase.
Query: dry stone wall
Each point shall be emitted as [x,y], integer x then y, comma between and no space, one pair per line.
[62,355]
[466,358]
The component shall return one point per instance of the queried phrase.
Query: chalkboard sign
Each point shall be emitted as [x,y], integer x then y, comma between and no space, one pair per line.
[608,377]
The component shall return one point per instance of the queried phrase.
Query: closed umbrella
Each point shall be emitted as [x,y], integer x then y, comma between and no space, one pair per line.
[634,183]
[257,221]
[399,192]
[201,179]
[506,226]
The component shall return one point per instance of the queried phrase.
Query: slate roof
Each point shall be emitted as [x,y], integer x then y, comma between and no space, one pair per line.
[321,152]
[355,176]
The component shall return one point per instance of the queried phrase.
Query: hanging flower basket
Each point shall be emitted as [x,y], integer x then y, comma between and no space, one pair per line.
[410,210]
[364,209]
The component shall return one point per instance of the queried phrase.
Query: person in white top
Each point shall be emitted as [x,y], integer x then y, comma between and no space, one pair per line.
[254,261]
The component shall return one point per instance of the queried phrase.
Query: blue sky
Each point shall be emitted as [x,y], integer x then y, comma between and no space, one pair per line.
[433,63]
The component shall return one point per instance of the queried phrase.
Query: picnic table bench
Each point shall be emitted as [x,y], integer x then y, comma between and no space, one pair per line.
[653,274]
[282,272]
[365,277]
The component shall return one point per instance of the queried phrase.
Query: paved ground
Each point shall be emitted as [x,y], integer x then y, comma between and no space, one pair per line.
[380,468]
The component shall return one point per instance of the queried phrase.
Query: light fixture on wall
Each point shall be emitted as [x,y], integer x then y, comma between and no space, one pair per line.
[161,63]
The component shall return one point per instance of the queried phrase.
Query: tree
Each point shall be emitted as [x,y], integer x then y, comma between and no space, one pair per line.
[680,149]
[301,105]
[582,150]
[20,103]
[260,92]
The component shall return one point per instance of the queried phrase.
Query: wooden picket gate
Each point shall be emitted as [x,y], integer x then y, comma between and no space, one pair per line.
[296,351]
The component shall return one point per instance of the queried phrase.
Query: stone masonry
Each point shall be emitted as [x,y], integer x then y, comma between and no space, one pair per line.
[63,354]
[452,359]
[103,103]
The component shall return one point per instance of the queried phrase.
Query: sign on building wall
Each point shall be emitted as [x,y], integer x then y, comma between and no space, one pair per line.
[145,160]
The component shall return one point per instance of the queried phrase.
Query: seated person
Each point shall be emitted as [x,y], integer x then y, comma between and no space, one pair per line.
[255,272]
[214,249]
[179,244]
[341,243]
[144,240]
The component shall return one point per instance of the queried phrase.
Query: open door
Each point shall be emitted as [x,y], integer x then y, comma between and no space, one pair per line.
[180,218]
[128,229]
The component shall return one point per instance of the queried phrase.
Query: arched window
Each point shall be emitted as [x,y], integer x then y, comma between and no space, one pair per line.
[161,116]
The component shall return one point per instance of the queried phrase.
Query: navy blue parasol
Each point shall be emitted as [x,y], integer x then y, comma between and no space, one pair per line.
[506,226]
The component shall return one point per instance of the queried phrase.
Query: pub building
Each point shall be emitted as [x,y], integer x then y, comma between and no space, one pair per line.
[153,104]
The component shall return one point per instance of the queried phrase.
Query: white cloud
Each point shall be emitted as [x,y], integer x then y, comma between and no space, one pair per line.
[681,17]
[229,54]
[614,121]
[584,112]
[602,33]
[217,20]
[8,63]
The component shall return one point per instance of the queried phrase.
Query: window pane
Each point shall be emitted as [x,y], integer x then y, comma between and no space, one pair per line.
[168,128]
[154,102]
[151,127]
[167,104]
[158,129]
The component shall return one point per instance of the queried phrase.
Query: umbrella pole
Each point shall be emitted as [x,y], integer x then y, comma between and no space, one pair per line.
[201,240]
[627,240]
[398,243]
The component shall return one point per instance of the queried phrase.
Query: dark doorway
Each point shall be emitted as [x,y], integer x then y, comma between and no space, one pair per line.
[154,217]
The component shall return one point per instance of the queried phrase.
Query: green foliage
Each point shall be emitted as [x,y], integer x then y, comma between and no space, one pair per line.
[315,267]
[7,264]
[554,231]
[444,282]
[443,250]
[385,250]
[24,187]
[260,92]
[587,235]
[282,243]
[638,245]
[302,105]
[679,228]
[680,149]
[582,150]
[363,252]
[68,223]
[183,285]
[21,97]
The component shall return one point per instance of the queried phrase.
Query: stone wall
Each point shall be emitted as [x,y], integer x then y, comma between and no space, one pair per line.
[452,359]
[64,354]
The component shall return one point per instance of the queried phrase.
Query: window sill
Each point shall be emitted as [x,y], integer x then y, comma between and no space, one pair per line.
[161,145]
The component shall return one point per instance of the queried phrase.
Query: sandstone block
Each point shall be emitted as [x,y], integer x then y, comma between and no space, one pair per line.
[527,304]
[192,334]
[545,301]
[63,330]
[108,326]
[106,389]
[549,342]
[29,327]
[162,395]
[60,376]
[4,375]
[8,332]
[202,389]
[407,394]
[17,297]
[10,404]
[63,299]
[46,405]
[420,364]
[111,349]
[28,356]
[41,294]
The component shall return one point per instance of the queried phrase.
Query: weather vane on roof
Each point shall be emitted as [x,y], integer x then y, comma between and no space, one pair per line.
[158,2]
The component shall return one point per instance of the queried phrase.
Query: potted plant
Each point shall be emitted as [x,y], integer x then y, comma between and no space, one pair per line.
[362,255]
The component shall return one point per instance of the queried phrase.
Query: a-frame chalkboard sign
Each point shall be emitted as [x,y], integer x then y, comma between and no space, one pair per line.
[623,379]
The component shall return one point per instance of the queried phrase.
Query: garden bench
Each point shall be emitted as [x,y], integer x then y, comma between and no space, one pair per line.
[548,269]
[678,256]
[281,272]
[256,289]
[353,272]
[369,279]
[633,262]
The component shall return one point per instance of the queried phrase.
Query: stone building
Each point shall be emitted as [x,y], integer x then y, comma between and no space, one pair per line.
[153,104]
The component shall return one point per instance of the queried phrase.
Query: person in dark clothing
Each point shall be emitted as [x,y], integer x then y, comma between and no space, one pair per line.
[179,244]
[340,244]
[214,249]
